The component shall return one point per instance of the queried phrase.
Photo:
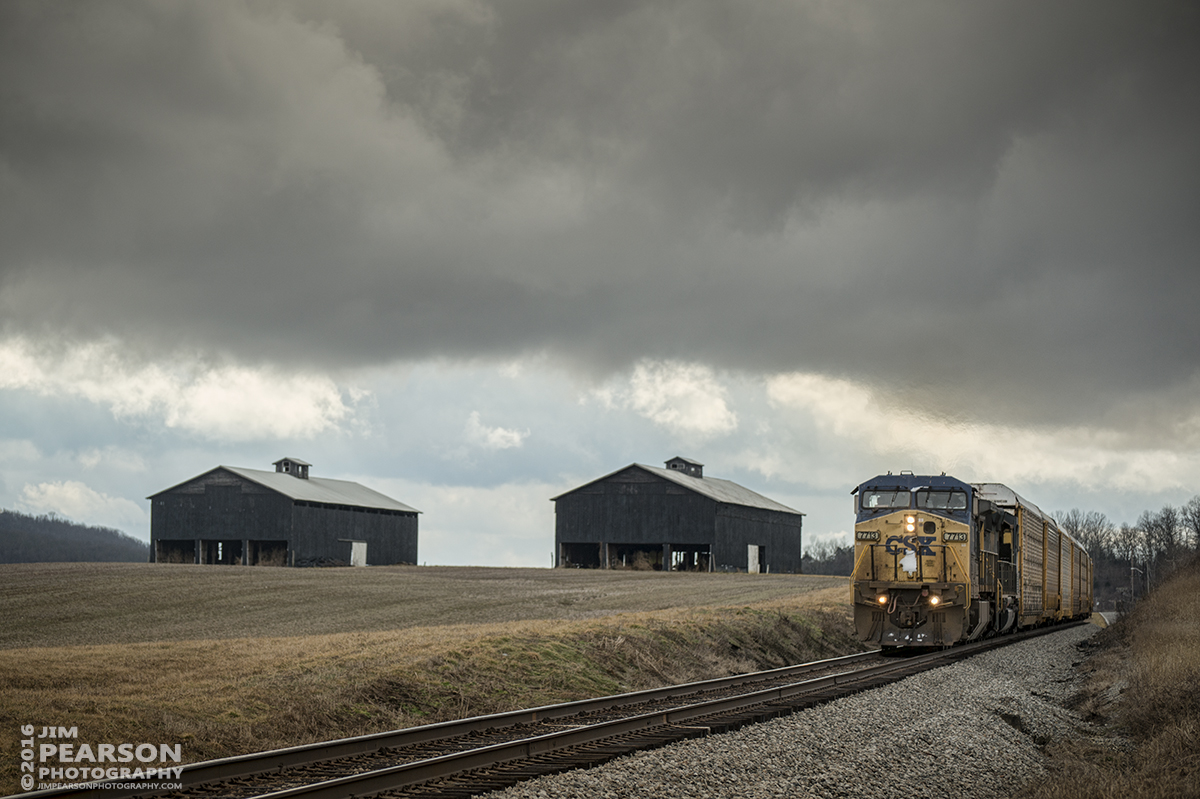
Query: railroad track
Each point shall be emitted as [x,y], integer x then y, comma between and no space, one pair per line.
[462,758]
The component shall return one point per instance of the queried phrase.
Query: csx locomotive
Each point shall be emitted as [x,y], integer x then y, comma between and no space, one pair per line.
[938,561]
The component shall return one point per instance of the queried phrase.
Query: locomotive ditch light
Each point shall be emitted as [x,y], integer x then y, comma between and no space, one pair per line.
[934,599]
[882,599]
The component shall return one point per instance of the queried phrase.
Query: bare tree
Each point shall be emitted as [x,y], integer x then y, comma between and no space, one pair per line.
[1071,522]
[1169,530]
[1128,543]
[1092,530]
[1098,532]
[1189,516]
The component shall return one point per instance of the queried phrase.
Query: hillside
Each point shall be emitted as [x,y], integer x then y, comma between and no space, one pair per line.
[229,659]
[51,539]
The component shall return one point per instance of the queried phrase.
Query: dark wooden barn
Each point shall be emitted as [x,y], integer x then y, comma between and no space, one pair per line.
[676,519]
[251,517]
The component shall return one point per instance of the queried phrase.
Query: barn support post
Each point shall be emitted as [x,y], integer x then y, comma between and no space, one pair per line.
[199,548]
[666,563]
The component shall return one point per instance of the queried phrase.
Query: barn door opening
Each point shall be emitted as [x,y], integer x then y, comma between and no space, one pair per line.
[756,558]
[221,552]
[358,551]
[691,558]
[174,551]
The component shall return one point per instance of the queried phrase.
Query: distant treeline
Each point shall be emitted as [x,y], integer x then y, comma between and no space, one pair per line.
[826,557]
[52,539]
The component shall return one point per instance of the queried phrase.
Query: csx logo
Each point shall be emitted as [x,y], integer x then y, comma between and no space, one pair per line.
[896,544]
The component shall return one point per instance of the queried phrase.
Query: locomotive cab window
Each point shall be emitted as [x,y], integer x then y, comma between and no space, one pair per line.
[885,498]
[942,500]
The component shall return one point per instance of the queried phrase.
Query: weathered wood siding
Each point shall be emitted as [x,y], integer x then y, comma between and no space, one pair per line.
[222,506]
[391,536]
[636,507]
[739,526]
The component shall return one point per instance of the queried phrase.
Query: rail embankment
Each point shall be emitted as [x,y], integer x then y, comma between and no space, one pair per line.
[1142,678]
[225,662]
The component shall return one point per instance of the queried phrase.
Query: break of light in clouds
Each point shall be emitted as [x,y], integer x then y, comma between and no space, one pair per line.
[75,500]
[686,399]
[477,251]
[480,435]
[223,402]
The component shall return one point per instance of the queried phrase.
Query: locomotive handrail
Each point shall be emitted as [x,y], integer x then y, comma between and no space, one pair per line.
[967,580]
[854,571]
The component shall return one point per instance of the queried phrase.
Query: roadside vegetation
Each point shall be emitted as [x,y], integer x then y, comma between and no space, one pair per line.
[229,683]
[1142,687]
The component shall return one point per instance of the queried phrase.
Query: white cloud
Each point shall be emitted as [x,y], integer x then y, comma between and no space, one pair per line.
[480,435]
[1091,457]
[223,402]
[112,458]
[684,398]
[83,504]
[504,525]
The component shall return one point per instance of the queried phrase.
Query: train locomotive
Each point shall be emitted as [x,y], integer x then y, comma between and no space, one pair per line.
[938,561]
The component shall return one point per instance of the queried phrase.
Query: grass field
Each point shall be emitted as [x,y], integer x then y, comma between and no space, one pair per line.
[71,604]
[227,660]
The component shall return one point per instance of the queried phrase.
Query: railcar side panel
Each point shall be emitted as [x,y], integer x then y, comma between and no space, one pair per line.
[1069,578]
[1054,564]
[1033,563]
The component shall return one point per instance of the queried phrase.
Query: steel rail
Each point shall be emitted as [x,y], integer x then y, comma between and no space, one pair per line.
[396,777]
[409,774]
[239,766]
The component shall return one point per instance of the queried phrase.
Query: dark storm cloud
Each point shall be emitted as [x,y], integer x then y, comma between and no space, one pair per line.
[1000,197]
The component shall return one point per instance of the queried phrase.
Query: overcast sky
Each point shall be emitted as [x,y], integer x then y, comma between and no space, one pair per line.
[473,254]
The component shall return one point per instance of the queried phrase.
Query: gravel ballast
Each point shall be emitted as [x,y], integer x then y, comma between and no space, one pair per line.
[974,728]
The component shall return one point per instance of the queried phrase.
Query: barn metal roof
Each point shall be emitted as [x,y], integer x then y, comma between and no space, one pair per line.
[317,489]
[322,489]
[686,460]
[716,488]
[294,460]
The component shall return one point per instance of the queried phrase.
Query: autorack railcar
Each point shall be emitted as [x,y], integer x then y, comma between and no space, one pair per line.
[939,561]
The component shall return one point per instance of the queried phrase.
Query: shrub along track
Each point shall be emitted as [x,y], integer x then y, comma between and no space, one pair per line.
[462,758]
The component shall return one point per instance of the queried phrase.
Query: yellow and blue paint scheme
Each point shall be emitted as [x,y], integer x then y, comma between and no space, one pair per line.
[938,561]
[912,577]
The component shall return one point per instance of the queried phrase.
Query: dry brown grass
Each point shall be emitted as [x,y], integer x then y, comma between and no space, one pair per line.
[68,604]
[199,670]
[1144,683]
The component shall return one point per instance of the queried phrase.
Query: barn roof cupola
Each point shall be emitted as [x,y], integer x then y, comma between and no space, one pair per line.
[293,466]
[687,466]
